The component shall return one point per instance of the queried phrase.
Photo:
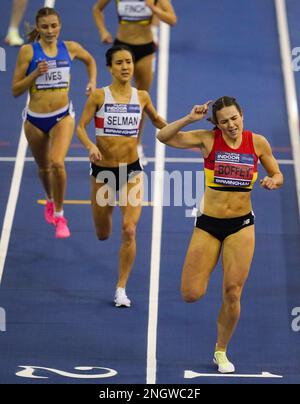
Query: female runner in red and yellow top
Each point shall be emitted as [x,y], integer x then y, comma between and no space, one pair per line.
[226,220]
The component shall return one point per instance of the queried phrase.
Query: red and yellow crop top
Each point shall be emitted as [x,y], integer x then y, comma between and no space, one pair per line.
[228,169]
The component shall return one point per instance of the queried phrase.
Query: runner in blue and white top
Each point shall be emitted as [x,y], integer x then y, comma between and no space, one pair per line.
[58,75]
[115,165]
[43,69]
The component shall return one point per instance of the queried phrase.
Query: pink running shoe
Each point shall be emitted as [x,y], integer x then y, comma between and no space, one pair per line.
[49,212]
[62,230]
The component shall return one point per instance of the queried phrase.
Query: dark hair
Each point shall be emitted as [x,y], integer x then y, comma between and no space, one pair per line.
[114,49]
[220,104]
[33,34]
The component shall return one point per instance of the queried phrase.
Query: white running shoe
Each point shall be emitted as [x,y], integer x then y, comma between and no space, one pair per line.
[121,299]
[224,365]
[142,157]
[13,38]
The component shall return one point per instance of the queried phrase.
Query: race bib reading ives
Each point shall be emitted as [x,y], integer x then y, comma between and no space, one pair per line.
[234,169]
[57,76]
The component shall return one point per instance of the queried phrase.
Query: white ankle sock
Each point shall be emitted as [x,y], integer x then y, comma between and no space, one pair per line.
[59,214]
[13,30]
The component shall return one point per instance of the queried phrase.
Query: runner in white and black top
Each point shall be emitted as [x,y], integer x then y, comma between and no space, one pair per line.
[115,165]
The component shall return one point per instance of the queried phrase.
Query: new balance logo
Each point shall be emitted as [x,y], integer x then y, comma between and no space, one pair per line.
[131,174]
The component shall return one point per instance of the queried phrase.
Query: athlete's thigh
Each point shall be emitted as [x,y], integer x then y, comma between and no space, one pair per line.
[102,202]
[131,199]
[238,250]
[143,74]
[60,137]
[201,258]
[38,142]
[131,215]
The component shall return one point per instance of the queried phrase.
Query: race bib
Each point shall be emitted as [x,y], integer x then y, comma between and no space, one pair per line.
[57,76]
[122,119]
[233,169]
[134,10]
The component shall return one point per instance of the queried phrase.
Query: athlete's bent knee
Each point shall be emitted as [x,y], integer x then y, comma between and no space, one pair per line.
[44,171]
[103,236]
[57,165]
[128,232]
[232,295]
[191,295]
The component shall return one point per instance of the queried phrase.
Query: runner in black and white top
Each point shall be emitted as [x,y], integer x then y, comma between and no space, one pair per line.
[115,166]
[137,22]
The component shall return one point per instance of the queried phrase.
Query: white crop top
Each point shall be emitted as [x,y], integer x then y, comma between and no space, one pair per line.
[115,119]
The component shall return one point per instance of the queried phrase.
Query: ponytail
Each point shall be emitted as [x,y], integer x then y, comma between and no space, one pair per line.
[32,34]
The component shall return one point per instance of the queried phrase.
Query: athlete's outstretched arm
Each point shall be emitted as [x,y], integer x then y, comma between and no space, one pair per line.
[95,100]
[172,135]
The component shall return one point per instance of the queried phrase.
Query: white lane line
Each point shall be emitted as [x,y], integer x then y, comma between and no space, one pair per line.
[162,102]
[290,88]
[150,160]
[12,200]
[14,190]
[190,374]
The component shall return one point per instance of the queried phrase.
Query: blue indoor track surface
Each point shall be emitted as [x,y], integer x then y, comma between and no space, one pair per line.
[58,294]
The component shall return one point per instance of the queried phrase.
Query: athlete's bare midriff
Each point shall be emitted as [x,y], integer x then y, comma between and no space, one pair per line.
[48,101]
[116,150]
[223,204]
[135,34]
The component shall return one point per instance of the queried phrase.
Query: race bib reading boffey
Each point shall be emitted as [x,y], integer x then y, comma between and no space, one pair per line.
[233,169]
